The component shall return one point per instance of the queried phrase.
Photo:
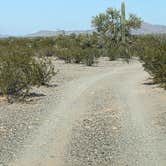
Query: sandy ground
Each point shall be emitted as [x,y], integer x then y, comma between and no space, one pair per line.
[90,116]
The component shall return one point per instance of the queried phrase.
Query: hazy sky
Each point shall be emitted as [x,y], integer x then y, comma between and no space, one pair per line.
[18,17]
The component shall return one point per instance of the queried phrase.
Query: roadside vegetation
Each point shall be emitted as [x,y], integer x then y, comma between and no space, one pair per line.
[151,49]
[19,72]
[115,30]
[26,62]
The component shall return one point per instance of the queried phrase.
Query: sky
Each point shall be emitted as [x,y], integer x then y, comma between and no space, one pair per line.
[20,17]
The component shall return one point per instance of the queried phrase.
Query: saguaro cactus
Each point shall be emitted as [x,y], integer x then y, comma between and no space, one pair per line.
[123,21]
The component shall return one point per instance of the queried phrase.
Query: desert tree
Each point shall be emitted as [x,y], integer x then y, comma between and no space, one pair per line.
[115,30]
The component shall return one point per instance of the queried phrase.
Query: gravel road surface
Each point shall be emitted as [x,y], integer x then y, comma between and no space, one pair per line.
[104,115]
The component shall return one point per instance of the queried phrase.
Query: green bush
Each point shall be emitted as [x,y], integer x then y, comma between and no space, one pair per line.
[77,48]
[20,71]
[152,52]
[90,56]
[64,54]
[43,70]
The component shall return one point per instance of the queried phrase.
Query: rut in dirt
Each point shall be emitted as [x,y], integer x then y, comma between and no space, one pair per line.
[104,119]
[128,134]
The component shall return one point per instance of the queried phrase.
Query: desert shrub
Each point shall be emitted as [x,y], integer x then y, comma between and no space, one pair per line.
[126,50]
[70,48]
[112,53]
[45,52]
[90,56]
[152,52]
[14,74]
[115,50]
[77,48]
[64,54]
[77,54]
[43,70]
[20,71]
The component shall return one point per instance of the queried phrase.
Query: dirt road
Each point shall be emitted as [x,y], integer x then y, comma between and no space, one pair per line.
[109,117]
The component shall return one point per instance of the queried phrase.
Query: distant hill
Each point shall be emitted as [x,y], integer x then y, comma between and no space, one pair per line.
[3,36]
[150,29]
[145,29]
[47,33]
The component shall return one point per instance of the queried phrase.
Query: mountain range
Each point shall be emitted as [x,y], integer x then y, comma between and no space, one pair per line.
[4,36]
[46,33]
[146,28]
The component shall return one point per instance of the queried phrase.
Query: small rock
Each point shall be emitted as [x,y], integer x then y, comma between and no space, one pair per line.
[114,128]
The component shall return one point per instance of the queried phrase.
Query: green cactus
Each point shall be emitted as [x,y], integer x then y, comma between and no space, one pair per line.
[123,21]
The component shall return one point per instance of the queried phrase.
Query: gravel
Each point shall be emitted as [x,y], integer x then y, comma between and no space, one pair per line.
[94,138]
[19,120]
[89,116]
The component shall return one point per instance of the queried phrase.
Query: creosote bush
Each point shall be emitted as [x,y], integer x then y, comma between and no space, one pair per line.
[25,62]
[43,71]
[19,72]
[77,48]
[152,52]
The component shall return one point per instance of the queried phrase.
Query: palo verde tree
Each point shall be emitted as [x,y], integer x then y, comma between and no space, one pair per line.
[115,30]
